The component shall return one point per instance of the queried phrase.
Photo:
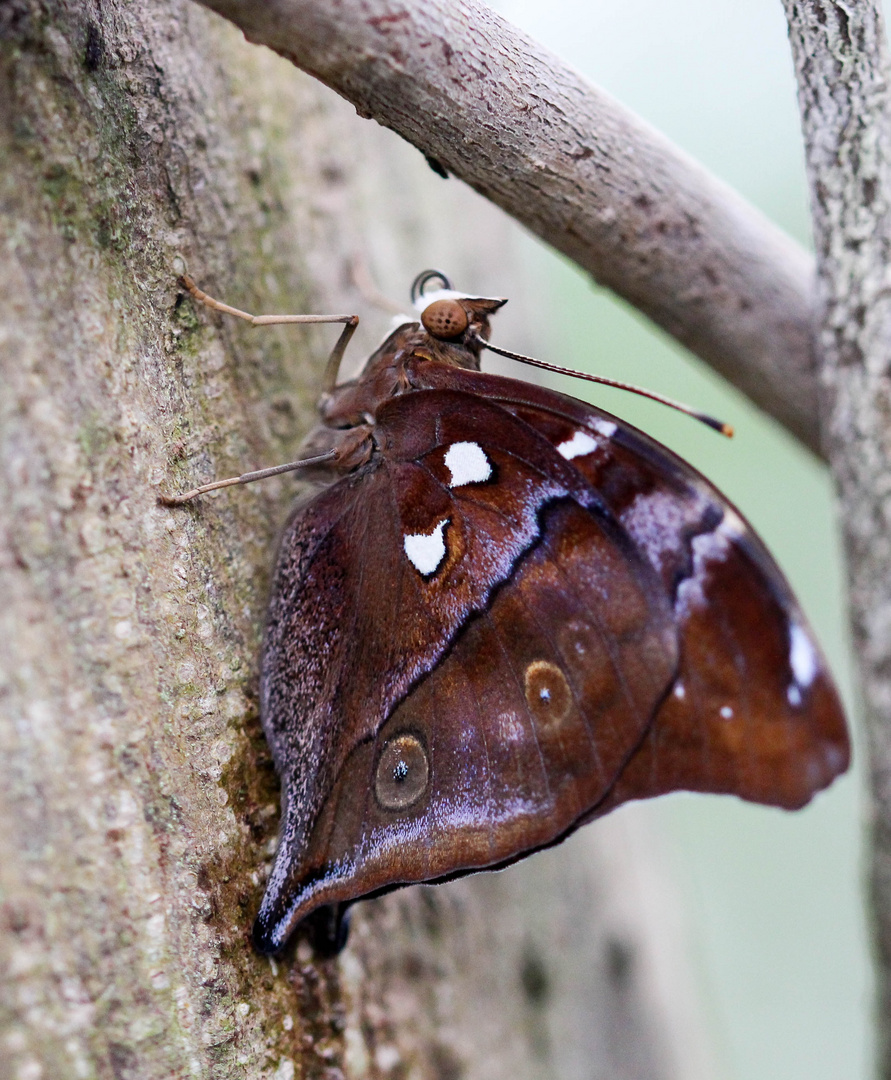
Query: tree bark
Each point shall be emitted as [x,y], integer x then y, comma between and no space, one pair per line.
[844,80]
[138,806]
[575,167]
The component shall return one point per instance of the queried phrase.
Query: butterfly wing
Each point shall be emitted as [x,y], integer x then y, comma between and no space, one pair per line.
[464,648]
[522,613]
[753,710]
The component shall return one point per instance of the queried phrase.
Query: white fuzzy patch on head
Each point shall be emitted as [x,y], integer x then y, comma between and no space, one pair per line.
[426,551]
[802,656]
[467,463]
[578,446]
[606,428]
[426,299]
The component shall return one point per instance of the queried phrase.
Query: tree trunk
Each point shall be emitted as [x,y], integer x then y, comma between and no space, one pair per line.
[138,805]
[844,81]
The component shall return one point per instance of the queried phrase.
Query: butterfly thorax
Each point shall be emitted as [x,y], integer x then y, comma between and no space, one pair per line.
[451,334]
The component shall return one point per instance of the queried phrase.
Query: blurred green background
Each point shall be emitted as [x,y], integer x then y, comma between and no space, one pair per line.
[774,900]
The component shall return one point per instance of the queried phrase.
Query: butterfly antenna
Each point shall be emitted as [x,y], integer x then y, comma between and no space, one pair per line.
[704,418]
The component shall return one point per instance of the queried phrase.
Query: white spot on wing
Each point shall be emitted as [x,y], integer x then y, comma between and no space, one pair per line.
[802,657]
[656,521]
[726,712]
[708,548]
[580,444]
[467,463]
[680,691]
[794,695]
[606,428]
[732,525]
[426,551]
[509,727]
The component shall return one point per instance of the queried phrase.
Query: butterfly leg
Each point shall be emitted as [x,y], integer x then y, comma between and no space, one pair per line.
[246,478]
[331,368]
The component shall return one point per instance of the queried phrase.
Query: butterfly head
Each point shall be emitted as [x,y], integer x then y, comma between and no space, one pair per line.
[452,316]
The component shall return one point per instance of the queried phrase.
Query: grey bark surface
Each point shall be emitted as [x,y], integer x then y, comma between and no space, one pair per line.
[578,169]
[844,80]
[138,806]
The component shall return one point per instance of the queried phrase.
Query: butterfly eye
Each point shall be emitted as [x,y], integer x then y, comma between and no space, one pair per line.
[445,319]
[402,773]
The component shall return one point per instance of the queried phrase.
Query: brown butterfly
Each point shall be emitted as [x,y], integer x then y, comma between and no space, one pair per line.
[504,613]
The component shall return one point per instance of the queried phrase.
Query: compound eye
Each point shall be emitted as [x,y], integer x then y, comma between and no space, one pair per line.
[445,319]
[403,773]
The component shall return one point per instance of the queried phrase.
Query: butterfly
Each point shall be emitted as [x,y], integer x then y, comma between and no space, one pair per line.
[500,614]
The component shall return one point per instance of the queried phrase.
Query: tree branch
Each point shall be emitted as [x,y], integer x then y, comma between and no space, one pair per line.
[844,78]
[594,181]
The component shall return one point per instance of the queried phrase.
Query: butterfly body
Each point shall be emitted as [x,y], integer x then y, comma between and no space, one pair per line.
[505,614]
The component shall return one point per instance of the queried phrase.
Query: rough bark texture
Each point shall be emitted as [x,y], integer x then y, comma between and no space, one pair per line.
[841,58]
[590,178]
[138,807]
